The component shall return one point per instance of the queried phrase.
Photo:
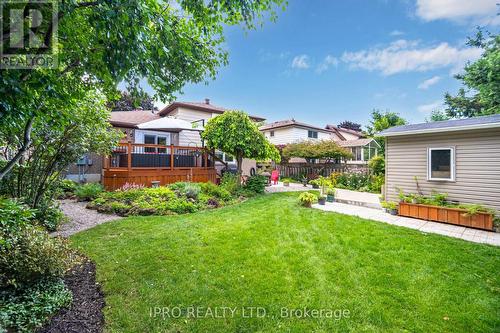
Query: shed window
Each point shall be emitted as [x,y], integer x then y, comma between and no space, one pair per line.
[312,134]
[271,133]
[441,164]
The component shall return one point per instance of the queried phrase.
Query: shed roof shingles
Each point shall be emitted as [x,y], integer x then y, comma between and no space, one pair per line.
[132,118]
[444,125]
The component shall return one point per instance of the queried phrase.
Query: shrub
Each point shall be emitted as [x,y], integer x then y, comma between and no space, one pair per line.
[192,190]
[256,184]
[25,309]
[306,199]
[89,191]
[65,189]
[229,182]
[14,216]
[215,191]
[376,183]
[178,198]
[351,181]
[377,165]
[49,216]
[30,254]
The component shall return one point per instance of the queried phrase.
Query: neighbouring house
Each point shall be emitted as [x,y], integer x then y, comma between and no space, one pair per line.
[284,132]
[458,157]
[162,146]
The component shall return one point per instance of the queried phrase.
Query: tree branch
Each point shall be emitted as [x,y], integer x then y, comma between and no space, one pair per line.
[26,143]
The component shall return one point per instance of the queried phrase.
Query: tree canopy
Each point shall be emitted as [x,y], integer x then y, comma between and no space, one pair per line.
[350,125]
[106,42]
[323,149]
[131,102]
[233,132]
[380,121]
[481,94]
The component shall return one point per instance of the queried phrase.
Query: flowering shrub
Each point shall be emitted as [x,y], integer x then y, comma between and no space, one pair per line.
[131,186]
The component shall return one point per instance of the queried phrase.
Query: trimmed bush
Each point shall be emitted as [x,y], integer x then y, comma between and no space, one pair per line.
[27,308]
[49,216]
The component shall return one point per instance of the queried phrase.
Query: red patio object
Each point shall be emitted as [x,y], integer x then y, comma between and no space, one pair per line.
[275,175]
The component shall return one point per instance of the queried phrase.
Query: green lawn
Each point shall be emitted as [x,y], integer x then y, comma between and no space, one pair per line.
[268,252]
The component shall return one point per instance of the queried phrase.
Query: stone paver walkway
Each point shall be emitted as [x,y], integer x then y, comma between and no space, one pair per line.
[80,218]
[469,234]
[293,187]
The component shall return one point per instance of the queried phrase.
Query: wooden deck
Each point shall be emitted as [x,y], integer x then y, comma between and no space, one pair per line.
[145,164]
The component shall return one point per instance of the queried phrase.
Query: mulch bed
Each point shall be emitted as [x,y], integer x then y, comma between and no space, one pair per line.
[85,313]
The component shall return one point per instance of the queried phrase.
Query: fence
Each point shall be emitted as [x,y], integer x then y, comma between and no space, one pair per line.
[298,170]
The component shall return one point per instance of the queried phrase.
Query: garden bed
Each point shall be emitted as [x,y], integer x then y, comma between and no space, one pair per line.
[85,313]
[449,215]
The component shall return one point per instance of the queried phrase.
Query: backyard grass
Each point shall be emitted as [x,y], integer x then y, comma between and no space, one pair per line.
[270,253]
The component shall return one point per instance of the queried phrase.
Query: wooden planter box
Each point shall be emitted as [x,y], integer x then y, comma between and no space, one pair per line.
[447,215]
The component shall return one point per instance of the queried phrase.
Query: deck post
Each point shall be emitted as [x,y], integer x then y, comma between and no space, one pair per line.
[205,156]
[171,157]
[129,155]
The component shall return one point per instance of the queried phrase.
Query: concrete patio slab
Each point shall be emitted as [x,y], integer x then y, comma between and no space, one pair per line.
[468,234]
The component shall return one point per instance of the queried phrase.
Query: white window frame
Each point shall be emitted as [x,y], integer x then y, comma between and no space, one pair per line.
[452,164]
[312,134]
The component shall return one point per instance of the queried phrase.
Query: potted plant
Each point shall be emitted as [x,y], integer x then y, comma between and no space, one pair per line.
[286,182]
[315,183]
[322,200]
[391,207]
[304,181]
[306,199]
[330,195]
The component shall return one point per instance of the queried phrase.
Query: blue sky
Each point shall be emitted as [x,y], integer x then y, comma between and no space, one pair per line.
[325,61]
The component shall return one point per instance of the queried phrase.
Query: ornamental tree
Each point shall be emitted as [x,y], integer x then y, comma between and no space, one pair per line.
[325,149]
[233,132]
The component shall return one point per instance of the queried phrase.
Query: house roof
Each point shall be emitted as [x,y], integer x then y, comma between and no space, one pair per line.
[355,143]
[290,123]
[203,106]
[347,130]
[445,126]
[132,118]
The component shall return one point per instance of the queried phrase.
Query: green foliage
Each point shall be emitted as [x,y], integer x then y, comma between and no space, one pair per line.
[306,199]
[390,205]
[233,132]
[323,149]
[377,165]
[376,183]
[381,121]
[67,186]
[29,254]
[177,198]
[49,216]
[481,80]
[27,308]
[256,184]
[230,182]
[14,217]
[89,191]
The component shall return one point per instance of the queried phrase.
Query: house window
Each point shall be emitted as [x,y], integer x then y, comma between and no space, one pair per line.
[441,164]
[155,140]
[271,134]
[312,134]
[149,140]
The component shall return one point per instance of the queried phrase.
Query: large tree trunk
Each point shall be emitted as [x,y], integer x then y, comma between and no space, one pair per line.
[26,143]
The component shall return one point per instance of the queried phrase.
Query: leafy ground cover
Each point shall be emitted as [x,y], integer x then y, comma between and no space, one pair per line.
[271,253]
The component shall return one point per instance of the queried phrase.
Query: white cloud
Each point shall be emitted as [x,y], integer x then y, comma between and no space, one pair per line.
[396,33]
[428,108]
[329,61]
[429,82]
[300,62]
[457,10]
[408,56]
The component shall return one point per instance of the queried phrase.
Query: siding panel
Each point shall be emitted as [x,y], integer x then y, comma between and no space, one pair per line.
[477,156]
